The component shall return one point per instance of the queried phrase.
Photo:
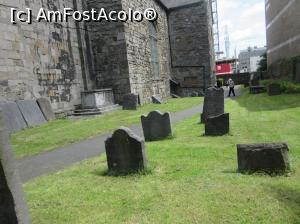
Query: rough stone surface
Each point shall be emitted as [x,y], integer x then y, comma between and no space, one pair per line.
[157,126]
[46,108]
[192,47]
[12,116]
[274,89]
[31,112]
[272,157]
[13,208]
[130,102]
[157,100]
[217,126]
[213,103]
[257,89]
[125,152]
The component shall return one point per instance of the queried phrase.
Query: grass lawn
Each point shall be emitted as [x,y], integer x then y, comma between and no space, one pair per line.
[65,131]
[192,178]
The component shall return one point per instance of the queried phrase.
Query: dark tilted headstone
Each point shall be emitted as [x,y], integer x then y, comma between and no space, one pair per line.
[217,126]
[130,101]
[271,157]
[274,89]
[46,108]
[125,152]
[12,117]
[194,94]
[213,103]
[13,208]
[31,112]
[157,126]
[157,100]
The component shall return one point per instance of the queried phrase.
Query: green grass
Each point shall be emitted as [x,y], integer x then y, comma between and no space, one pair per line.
[193,179]
[65,131]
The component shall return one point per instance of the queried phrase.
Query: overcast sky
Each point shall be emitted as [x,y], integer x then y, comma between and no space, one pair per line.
[246,23]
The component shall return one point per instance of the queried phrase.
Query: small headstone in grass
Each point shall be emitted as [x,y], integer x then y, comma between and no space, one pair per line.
[130,101]
[268,157]
[13,208]
[157,126]
[46,108]
[257,89]
[157,100]
[213,103]
[31,112]
[125,152]
[274,89]
[217,126]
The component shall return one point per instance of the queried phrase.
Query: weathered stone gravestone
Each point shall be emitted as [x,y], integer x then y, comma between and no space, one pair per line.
[217,126]
[257,89]
[130,101]
[13,208]
[274,89]
[157,100]
[12,117]
[270,158]
[157,126]
[213,103]
[125,152]
[46,108]
[31,112]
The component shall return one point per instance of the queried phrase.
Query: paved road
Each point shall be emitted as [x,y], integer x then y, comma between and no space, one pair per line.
[49,162]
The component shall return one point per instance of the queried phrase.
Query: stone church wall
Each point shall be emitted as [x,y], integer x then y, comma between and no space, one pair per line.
[142,80]
[42,59]
[191,41]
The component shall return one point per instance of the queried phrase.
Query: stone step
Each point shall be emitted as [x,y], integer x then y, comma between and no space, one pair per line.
[96,111]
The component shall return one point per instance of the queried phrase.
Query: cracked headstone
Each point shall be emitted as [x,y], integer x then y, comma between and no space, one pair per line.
[157,126]
[46,108]
[130,101]
[13,208]
[31,112]
[125,152]
[213,103]
[12,117]
[266,157]
[217,126]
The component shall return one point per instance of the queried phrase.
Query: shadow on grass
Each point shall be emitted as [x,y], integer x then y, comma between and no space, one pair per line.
[110,173]
[288,196]
[263,102]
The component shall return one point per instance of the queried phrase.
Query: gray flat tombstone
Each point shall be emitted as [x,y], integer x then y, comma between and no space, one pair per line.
[271,158]
[13,208]
[157,100]
[213,103]
[130,101]
[217,126]
[125,152]
[12,117]
[274,89]
[46,108]
[31,112]
[157,126]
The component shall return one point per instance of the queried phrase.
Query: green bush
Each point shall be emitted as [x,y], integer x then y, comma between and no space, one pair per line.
[287,86]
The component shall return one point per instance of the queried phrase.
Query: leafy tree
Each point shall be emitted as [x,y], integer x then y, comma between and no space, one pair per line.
[263,64]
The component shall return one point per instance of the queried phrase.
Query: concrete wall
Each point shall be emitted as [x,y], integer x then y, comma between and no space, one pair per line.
[283,32]
[142,79]
[42,59]
[191,41]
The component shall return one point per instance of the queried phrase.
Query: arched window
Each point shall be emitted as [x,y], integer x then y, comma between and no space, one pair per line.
[154,50]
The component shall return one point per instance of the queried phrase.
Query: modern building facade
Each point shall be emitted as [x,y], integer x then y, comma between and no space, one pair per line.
[283,36]
[249,58]
[60,60]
